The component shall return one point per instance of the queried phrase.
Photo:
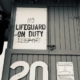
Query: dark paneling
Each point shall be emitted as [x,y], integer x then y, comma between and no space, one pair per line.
[50,60]
[64,27]
[30,59]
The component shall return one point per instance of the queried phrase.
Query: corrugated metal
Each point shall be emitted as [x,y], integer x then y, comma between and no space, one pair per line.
[64,26]
[50,60]
[30,59]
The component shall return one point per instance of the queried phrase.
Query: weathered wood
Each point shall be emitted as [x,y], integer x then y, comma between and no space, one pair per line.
[58,59]
[68,58]
[52,24]
[13,72]
[24,59]
[35,58]
[19,69]
[78,59]
[78,20]
[57,28]
[75,66]
[53,68]
[66,28]
[75,29]
[71,29]
[40,70]
[63,58]
[62,28]
[30,59]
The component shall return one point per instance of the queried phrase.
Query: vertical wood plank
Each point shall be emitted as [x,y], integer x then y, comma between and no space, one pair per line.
[75,66]
[24,59]
[68,58]
[46,59]
[78,59]
[53,68]
[71,29]
[30,58]
[35,58]
[40,70]
[19,69]
[62,29]
[63,58]
[75,29]
[12,72]
[52,25]
[79,23]
[57,28]
[67,28]
[58,59]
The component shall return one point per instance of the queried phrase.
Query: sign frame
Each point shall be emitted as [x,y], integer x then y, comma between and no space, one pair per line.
[12,24]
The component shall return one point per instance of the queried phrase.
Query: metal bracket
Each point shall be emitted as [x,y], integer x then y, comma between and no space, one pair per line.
[51,47]
[76,17]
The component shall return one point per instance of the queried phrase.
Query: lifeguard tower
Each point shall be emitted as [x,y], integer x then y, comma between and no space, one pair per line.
[44,41]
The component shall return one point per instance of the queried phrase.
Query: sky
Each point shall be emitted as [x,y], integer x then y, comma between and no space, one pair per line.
[2,59]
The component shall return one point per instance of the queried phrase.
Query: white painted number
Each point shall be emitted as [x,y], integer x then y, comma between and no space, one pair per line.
[21,74]
[32,70]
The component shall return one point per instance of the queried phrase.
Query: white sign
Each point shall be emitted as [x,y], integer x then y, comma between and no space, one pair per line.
[65,71]
[30,29]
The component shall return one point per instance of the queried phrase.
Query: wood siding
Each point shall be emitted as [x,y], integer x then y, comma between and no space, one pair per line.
[64,28]
[50,60]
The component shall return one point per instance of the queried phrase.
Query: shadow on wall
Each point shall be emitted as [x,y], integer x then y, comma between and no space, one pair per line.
[0,8]
[3,30]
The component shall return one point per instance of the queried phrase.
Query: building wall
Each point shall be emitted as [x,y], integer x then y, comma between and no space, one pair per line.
[51,61]
[64,24]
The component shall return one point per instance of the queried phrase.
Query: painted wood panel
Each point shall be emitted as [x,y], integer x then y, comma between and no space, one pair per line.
[57,31]
[65,28]
[50,60]
[52,25]
[62,28]
[78,62]
[25,58]
[75,63]
[30,59]
[13,72]
[53,68]
[67,38]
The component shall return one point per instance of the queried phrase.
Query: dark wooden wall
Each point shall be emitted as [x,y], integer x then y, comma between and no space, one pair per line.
[50,60]
[64,32]
[64,24]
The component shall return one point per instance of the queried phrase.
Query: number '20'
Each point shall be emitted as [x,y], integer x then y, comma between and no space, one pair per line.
[32,70]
